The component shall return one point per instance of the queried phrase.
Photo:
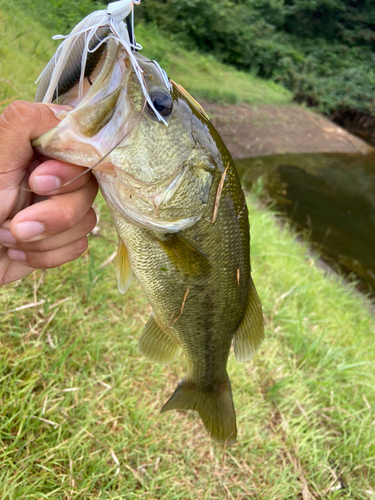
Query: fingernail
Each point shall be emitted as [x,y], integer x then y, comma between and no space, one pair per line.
[6,237]
[60,111]
[43,183]
[29,230]
[15,254]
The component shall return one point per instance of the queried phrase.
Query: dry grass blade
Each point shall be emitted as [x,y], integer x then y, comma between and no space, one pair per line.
[218,195]
[368,406]
[110,259]
[9,100]
[302,410]
[181,308]
[50,341]
[46,421]
[26,306]
[59,302]
[116,460]
[72,481]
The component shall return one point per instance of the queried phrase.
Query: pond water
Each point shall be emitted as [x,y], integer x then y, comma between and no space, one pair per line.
[332,196]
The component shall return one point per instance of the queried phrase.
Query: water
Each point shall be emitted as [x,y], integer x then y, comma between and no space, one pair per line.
[332,196]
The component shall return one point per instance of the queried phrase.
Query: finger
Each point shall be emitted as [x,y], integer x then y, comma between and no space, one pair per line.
[20,123]
[10,270]
[80,230]
[54,215]
[49,259]
[56,177]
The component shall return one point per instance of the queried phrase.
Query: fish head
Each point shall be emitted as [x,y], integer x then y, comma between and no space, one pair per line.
[153,157]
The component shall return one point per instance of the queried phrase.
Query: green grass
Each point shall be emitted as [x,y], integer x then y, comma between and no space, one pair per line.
[305,405]
[26,47]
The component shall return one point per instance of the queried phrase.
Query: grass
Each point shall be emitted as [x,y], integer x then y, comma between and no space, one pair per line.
[26,47]
[80,407]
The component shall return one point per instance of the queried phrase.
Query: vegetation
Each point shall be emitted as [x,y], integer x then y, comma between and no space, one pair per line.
[31,48]
[25,49]
[206,78]
[323,51]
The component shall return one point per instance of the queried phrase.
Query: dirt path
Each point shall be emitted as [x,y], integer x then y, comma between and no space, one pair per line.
[264,130]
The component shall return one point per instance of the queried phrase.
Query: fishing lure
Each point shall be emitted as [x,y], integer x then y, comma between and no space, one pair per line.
[83,47]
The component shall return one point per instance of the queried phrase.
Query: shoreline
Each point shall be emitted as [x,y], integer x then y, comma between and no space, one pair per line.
[263,130]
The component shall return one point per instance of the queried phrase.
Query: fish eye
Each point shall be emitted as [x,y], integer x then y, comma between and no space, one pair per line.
[162,102]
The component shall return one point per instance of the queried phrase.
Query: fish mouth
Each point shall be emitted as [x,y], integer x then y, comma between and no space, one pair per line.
[100,120]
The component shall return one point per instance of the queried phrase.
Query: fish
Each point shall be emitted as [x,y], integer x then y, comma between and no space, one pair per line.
[182,221]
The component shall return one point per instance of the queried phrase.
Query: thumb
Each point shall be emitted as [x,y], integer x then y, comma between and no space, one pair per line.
[20,123]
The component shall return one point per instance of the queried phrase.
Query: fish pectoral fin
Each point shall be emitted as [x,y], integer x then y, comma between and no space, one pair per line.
[184,256]
[157,345]
[250,333]
[123,270]
[215,408]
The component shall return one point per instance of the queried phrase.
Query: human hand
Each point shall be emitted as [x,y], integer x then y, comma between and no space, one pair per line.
[39,231]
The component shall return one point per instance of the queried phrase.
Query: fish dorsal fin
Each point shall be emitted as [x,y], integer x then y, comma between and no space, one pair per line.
[123,270]
[191,100]
[155,344]
[250,333]
[184,256]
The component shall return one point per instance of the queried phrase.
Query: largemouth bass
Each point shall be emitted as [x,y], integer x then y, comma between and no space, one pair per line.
[182,220]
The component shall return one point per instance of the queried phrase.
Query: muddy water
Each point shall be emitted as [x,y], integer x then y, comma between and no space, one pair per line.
[332,196]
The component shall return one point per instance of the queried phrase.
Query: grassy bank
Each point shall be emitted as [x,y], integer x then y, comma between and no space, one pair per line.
[80,407]
[26,47]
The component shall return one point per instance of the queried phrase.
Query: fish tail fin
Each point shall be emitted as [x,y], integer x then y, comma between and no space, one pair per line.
[215,408]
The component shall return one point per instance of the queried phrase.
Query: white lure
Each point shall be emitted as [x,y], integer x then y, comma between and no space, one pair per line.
[86,35]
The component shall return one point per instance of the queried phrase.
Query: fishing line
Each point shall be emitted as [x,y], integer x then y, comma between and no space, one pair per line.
[35,158]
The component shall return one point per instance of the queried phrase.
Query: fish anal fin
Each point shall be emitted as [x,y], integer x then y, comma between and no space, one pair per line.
[155,344]
[215,408]
[250,333]
[184,256]
[123,269]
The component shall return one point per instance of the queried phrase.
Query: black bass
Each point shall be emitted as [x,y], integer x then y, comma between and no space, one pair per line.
[181,216]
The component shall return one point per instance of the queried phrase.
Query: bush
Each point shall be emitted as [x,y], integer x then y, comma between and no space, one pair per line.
[321,50]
